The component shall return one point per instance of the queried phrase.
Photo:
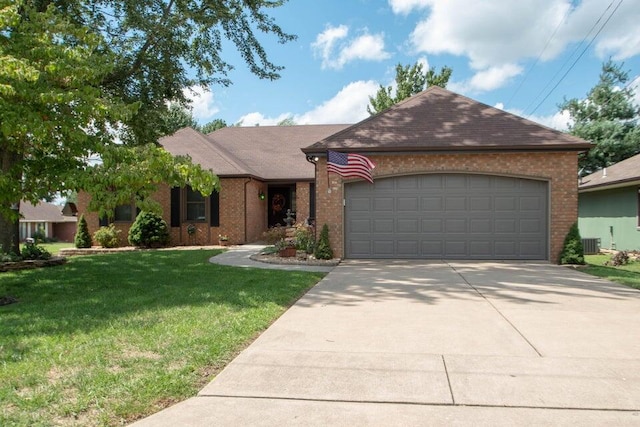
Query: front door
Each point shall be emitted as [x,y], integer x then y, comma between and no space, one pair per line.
[279,201]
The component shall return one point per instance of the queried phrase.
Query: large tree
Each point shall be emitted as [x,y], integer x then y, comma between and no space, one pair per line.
[608,118]
[75,75]
[213,126]
[410,80]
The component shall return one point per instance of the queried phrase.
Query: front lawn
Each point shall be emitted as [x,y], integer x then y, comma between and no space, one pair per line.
[53,248]
[106,339]
[628,274]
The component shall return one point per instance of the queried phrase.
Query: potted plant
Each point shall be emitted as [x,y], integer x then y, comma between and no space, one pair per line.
[223,239]
[286,247]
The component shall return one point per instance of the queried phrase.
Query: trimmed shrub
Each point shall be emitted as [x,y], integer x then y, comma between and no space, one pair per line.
[107,237]
[33,251]
[149,230]
[323,248]
[82,238]
[572,250]
[304,239]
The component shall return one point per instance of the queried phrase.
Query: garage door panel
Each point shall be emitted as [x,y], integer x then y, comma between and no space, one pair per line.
[432,248]
[432,204]
[407,248]
[453,204]
[384,247]
[407,204]
[383,204]
[383,225]
[455,248]
[432,226]
[360,204]
[360,225]
[447,216]
[407,225]
[455,226]
[477,226]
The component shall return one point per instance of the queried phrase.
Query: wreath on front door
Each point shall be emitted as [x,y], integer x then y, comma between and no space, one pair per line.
[277,203]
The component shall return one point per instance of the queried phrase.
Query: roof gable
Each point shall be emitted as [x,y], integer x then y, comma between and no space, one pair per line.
[626,172]
[439,120]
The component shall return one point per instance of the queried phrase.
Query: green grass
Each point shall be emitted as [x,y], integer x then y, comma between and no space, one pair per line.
[106,339]
[628,274]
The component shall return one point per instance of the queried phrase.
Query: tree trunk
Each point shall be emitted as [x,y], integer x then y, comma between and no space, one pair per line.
[10,209]
[9,235]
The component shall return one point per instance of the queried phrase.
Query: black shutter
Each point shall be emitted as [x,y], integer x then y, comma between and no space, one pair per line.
[214,211]
[312,202]
[175,206]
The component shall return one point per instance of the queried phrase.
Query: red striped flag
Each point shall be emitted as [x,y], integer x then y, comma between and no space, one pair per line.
[350,165]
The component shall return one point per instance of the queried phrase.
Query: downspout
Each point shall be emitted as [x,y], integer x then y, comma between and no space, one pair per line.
[246,201]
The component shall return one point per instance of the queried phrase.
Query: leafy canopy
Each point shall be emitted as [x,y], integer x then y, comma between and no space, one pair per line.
[410,80]
[608,118]
[76,75]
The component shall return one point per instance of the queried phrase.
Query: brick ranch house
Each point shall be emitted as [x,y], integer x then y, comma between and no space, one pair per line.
[454,179]
[262,174]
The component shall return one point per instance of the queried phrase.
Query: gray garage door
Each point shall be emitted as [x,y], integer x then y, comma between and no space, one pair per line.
[451,216]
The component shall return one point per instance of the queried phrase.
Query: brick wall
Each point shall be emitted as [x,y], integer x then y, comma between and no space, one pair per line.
[302,201]
[560,169]
[256,211]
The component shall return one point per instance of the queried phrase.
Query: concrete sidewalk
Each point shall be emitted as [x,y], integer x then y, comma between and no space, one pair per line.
[240,256]
[437,343]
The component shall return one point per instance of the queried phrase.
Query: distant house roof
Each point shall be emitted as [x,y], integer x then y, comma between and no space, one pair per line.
[622,174]
[265,152]
[439,120]
[43,212]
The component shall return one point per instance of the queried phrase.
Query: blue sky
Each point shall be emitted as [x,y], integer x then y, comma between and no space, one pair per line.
[504,53]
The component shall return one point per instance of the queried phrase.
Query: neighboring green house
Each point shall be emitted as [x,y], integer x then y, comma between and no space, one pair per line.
[609,205]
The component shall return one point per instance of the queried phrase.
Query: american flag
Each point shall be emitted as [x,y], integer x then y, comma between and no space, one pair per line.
[350,165]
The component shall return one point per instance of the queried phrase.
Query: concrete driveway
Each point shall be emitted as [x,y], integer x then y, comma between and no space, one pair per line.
[436,343]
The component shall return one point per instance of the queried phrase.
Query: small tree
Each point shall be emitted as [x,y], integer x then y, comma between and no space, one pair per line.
[572,250]
[323,248]
[149,230]
[82,238]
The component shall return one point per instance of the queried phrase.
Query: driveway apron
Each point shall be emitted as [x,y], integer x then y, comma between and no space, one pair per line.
[454,343]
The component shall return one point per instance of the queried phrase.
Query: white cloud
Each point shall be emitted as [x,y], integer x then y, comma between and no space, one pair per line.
[255,119]
[559,121]
[487,79]
[499,32]
[349,105]
[202,102]
[336,51]
[403,7]
[326,40]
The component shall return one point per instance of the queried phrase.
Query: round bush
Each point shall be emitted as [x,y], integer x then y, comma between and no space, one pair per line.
[107,237]
[149,230]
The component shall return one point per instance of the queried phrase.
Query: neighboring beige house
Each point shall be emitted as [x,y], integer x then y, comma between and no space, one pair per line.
[454,179]
[49,219]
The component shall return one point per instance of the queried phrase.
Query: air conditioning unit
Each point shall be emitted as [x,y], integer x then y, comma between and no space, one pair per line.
[591,245]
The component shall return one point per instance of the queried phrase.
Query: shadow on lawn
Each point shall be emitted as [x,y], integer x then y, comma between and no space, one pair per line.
[88,292]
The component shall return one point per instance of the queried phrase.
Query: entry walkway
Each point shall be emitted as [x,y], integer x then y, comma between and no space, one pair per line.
[240,256]
[436,343]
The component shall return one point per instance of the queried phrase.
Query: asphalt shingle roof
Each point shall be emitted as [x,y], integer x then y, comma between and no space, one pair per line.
[439,120]
[624,172]
[266,152]
[43,212]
